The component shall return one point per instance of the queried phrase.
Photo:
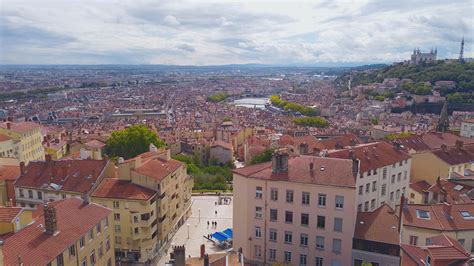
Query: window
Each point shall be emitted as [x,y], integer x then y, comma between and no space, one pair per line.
[374,186]
[303,259]
[100,250]
[336,245]
[258,251]
[258,232]
[273,235]
[30,194]
[413,240]
[288,237]
[21,193]
[422,214]
[91,234]
[369,173]
[319,261]
[391,196]
[338,224]
[287,256]
[321,221]
[117,228]
[399,177]
[372,204]
[117,216]
[403,191]
[289,196]
[320,242]
[107,244]
[258,212]
[466,215]
[367,188]
[359,207]
[398,194]
[339,202]
[384,173]
[400,163]
[72,250]
[82,242]
[405,174]
[99,228]
[304,240]
[273,215]
[384,189]
[304,219]
[272,254]
[60,260]
[116,205]
[92,257]
[305,198]
[258,192]
[322,200]
[393,179]
[288,217]
[361,189]
[366,206]
[136,231]
[84,262]
[118,240]
[274,194]
[40,195]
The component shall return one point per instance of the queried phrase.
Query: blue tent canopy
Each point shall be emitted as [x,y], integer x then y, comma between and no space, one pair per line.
[220,236]
[229,232]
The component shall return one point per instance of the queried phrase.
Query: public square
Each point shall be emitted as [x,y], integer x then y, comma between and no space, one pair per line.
[192,236]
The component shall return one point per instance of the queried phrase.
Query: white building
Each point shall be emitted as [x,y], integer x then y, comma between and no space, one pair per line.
[384,173]
[467,128]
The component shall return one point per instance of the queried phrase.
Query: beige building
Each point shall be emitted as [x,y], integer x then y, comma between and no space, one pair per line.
[29,136]
[299,210]
[221,152]
[467,128]
[423,221]
[156,170]
[67,232]
[7,146]
[134,218]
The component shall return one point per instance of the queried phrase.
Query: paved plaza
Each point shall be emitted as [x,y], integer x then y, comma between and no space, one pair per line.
[203,210]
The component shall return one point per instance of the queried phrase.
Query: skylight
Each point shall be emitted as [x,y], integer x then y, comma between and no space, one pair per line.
[422,214]
[466,215]
[458,188]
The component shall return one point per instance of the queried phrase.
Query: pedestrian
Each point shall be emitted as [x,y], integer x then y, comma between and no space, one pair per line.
[215,224]
[215,212]
[207,224]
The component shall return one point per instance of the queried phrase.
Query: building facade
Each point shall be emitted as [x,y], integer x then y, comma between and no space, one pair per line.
[467,128]
[298,211]
[29,136]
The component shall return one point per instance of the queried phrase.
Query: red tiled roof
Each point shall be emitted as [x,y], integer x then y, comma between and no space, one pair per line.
[95,144]
[443,217]
[9,172]
[122,189]
[339,142]
[435,140]
[35,247]
[71,175]
[420,186]
[455,192]
[20,127]
[7,214]
[454,155]
[4,138]
[158,168]
[415,143]
[373,156]
[337,172]
[222,144]
[381,225]
[443,249]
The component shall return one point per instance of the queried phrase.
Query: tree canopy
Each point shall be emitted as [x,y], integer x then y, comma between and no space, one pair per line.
[265,156]
[294,107]
[132,141]
[311,122]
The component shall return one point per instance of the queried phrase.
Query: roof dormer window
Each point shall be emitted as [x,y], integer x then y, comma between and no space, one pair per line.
[422,214]
[466,215]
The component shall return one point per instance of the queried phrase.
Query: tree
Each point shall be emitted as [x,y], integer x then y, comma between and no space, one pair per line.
[132,141]
[265,156]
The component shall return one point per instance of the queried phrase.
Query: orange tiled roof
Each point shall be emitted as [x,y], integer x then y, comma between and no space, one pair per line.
[158,168]
[35,247]
[381,225]
[326,171]
[7,214]
[20,127]
[443,217]
[420,186]
[122,189]
[4,138]
[9,172]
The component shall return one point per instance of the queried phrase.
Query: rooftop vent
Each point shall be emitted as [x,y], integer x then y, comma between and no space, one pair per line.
[322,168]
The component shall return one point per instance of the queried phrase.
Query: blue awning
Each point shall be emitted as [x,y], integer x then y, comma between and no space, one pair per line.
[229,232]
[220,236]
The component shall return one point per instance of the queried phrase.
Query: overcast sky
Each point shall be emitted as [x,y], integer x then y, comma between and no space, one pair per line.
[230,32]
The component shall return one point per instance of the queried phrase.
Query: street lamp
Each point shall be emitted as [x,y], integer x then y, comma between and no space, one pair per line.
[199,215]
[188,229]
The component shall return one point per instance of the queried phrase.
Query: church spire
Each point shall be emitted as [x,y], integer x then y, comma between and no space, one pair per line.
[443,122]
[461,52]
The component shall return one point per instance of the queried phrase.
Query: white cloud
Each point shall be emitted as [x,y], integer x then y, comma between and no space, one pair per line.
[230,31]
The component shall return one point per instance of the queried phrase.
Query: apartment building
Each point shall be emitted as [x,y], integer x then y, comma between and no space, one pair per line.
[384,173]
[156,170]
[295,210]
[7,146]
[134,218]
[422,221]
[29,136]
[67,232]
[467,128]
[51,180]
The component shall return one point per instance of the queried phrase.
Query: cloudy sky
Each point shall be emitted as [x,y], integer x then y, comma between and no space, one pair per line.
[229,32]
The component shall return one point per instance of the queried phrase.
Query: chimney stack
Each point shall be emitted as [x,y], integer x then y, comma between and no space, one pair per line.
[9,125]
[280,161]
[50,222]
[22,168]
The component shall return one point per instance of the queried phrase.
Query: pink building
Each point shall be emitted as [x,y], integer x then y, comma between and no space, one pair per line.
[296,210]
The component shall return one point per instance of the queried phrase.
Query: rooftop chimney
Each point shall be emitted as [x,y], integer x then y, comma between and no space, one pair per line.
[22,168]
[9,125]
[179,255]
[280,161]
[459,144]
[48,157]
[50,222]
